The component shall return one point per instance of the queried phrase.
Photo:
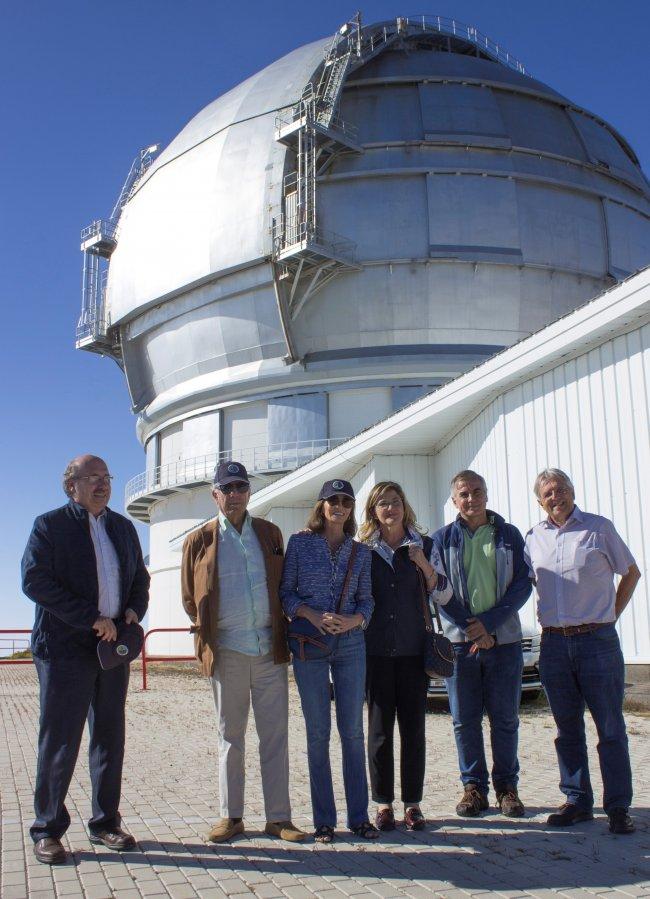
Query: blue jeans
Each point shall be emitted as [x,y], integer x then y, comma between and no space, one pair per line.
[588,669]
[490,681]
[348,667]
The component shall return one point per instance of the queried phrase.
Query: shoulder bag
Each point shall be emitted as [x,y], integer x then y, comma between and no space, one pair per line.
[438,651]
[305,641]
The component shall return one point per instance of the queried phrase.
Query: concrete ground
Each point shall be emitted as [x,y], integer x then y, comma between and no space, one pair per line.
[170,799]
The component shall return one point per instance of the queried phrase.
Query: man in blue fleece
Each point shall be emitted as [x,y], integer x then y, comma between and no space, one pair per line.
[483,557]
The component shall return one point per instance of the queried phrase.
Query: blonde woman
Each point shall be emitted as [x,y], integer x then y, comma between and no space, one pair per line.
[404,570]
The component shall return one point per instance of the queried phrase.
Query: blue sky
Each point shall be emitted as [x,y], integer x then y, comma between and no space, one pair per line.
[86,85]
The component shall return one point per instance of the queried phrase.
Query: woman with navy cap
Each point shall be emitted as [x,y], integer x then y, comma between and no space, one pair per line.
[326,581]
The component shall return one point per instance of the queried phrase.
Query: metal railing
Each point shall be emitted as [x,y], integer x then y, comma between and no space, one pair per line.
[454,28]
[288,235]
[105,227]
[10,661]
[267,458]
[146,660]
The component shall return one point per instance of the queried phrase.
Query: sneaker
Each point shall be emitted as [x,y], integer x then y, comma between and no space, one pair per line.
[473,802]
[224,830]
[509,802]
[569,814]
[286,830]
[414,819]
[385,819]
[620,821]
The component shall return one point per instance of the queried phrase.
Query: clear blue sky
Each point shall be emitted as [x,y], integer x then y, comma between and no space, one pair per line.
[85,85]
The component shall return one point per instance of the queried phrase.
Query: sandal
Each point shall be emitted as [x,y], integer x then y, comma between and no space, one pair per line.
[365,830]
[324,833]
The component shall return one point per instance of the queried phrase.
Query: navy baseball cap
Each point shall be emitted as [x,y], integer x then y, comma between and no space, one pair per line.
[336,488]
[228,473]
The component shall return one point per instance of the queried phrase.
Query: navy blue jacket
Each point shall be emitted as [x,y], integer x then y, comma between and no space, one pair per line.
[513,581]
[60,575]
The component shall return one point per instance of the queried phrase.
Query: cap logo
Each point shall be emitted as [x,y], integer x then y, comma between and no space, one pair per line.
[338,485]
[233,469]
[122,649]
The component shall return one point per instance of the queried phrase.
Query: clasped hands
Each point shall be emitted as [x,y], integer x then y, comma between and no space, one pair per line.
[481,639]
[333,622]
[105,627]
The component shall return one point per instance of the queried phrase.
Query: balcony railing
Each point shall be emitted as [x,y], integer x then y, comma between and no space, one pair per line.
[259,461]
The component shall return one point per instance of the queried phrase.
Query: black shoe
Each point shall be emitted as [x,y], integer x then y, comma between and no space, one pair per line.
[569,814]
[116,839]
[620,821]
[50,851]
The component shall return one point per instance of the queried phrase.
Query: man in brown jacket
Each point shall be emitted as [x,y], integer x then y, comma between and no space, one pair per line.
[230,576]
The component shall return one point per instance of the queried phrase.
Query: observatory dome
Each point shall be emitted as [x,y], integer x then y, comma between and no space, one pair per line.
[350,227]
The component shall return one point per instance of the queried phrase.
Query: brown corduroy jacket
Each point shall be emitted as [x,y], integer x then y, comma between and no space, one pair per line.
[200,587]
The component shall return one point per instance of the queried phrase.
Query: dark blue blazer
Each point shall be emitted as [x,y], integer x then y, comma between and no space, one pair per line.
[60,575]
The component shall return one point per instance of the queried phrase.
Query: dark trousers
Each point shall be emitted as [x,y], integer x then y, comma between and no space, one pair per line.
[396,688]
[71,691]
[588,670]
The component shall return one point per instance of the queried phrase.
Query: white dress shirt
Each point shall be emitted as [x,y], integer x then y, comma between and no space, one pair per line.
[108,567]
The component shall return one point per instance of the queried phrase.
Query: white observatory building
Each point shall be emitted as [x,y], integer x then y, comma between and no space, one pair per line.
[360,223]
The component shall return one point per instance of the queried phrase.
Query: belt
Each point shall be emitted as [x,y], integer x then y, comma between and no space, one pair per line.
[572,629]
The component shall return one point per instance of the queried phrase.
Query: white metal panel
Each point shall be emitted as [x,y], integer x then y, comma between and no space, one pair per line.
[244,427]
[289,519]
[201,435]
[589,417]
[171,444]
[152,453]
[350,411]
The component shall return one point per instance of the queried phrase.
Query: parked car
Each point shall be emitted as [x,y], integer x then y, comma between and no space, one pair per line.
[530,682]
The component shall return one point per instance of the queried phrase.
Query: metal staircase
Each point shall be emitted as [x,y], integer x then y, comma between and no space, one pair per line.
[94,331]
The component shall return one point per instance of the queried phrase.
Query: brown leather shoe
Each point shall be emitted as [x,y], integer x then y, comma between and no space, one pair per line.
[385,819]
[117,839]
[472,803]
[286,830]
[414,819]
[224,830]
[50,851]
[509,802]
[568,814]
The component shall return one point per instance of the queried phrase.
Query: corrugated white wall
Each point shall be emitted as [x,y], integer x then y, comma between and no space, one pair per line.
[590,417]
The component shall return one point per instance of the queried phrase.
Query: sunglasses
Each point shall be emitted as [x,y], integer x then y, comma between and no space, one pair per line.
[346,501]
[238,487]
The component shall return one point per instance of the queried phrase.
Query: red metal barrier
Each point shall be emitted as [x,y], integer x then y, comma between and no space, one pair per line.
[146,659]
[29,661]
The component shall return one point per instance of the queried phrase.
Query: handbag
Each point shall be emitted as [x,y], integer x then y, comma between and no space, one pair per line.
[438,651]
[305,640]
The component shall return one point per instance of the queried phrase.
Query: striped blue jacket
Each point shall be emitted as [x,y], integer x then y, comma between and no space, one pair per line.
[307,574]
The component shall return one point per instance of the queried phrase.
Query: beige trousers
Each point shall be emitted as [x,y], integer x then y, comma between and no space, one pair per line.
[237,681]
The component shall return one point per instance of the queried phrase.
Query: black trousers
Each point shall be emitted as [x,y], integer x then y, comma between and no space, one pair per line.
[396,687]
[72,690]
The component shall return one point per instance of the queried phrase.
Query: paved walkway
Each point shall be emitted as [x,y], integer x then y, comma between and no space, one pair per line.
[169,801]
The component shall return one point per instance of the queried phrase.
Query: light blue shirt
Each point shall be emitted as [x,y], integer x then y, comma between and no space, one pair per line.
[574,567]
[108,567]
[244,621]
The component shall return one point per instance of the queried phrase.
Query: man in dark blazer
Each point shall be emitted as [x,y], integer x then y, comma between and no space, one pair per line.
[83,568]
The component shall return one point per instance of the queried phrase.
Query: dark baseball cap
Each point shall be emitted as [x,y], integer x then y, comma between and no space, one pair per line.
[123,649]
[336,488]
[228,473]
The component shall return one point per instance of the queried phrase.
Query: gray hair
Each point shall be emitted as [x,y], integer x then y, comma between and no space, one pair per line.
[71,471]
[467,475]
[551,474]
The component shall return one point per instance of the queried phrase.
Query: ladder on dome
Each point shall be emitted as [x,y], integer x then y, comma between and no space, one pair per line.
[94,331]
[306,256]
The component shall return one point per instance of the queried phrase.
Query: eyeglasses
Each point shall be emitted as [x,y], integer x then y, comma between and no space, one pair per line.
[346,501]
[238,487]
[387,504]
[95,479]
